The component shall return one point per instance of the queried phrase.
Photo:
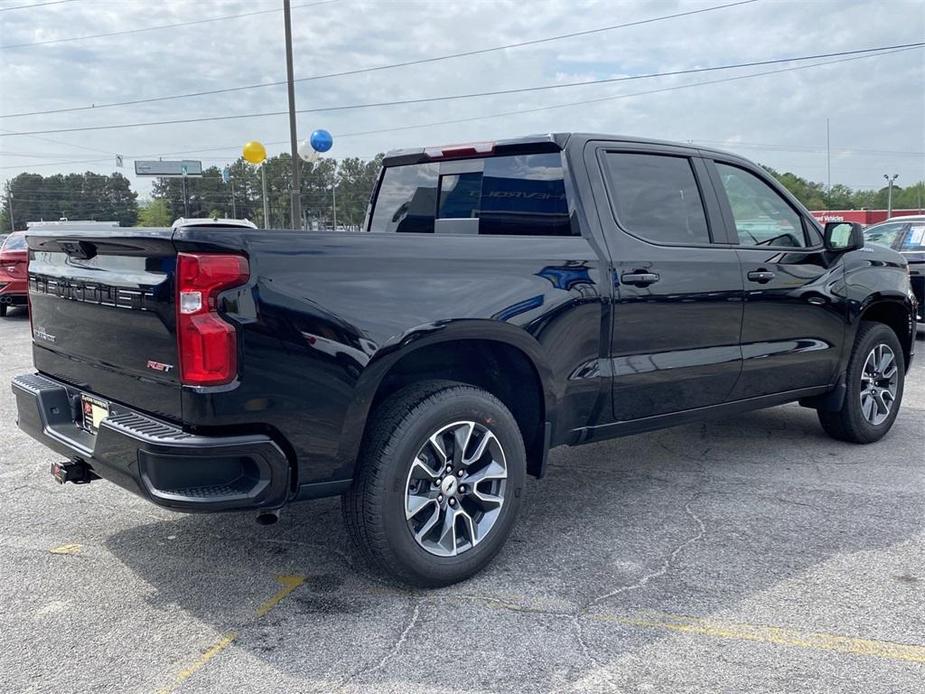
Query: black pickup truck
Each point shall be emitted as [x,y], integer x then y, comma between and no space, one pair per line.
[509,297]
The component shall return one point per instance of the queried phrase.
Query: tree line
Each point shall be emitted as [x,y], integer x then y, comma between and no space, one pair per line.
[329,188]
[840,197]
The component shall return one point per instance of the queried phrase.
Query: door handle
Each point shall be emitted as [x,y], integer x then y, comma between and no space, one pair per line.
[640,279]
[761,276]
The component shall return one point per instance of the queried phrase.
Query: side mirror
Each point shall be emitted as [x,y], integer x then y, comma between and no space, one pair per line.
[843,236]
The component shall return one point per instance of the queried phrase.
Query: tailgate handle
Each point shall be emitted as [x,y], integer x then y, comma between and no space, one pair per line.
[82,250]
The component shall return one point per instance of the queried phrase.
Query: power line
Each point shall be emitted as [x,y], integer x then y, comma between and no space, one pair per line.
[155,28]
[358,71]
[472,95]
[486,116]
[60,142]
[36,4]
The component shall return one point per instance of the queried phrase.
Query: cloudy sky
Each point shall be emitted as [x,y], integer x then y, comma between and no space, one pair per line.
[50,60]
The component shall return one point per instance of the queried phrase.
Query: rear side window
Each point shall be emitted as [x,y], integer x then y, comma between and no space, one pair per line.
[915,239]
[656,197]
[406,199]
[514,195]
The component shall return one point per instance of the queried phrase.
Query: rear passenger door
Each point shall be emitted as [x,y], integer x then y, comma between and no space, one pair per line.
[792,330]
[677,287]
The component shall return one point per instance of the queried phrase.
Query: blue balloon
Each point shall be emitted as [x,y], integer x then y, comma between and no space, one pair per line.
[321,140]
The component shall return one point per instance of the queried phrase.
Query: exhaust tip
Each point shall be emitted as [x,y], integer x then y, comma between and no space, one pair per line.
[267,517]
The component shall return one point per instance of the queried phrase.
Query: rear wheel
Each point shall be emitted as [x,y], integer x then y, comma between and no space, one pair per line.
[874,387]
[439,483]
[2,310]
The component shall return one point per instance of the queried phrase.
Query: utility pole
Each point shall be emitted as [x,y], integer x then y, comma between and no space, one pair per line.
[828,158]
[334,201]
[234,211]
[9,197]
[266,207]
[889,194]
[294,145]
[185,199]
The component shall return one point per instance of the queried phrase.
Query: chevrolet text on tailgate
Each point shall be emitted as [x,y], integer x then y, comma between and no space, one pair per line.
[509,297]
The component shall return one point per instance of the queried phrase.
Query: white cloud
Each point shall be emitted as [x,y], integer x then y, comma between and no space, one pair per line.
[873,104]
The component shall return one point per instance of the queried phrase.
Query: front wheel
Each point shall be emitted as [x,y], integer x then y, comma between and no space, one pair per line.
[439,483]
[874,387]
[2,310]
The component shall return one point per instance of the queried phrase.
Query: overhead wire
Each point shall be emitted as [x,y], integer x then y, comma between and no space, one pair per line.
[377,68]
[471,95]
[110,34]
[521,111]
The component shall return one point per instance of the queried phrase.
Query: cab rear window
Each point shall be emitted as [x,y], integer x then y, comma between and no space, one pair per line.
[510,195]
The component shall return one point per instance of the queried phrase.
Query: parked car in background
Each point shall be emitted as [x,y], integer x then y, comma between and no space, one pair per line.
[13,281]
[206,222]
[906,235]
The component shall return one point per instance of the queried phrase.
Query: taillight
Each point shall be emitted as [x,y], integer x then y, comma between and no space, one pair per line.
[206,344]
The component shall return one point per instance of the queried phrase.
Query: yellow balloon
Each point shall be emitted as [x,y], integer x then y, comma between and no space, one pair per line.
[254,152]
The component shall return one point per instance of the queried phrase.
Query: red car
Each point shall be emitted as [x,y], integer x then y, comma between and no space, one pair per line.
[14,282]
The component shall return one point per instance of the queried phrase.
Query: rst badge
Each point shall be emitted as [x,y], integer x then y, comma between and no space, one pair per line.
[40,334]
[159,366]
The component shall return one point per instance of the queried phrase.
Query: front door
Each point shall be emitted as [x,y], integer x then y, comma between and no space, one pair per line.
[677,293]
[792,331]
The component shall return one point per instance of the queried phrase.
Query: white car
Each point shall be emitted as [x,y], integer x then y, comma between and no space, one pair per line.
[210,222]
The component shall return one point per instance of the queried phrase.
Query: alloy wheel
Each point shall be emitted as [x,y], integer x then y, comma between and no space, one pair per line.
[455,488]
[879,381]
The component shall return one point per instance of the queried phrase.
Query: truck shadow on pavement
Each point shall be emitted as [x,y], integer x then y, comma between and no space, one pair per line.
[734,519]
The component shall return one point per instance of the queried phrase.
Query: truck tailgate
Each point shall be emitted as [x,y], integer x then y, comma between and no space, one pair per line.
[103,314]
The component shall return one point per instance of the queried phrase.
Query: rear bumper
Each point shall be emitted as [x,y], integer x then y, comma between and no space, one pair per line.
[154,459]
[13,291]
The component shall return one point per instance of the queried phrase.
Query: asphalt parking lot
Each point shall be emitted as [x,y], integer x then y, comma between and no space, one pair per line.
[750,554]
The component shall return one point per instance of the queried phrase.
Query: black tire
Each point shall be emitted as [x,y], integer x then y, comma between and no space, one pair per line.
[849,423]
[374,507]
[2,310]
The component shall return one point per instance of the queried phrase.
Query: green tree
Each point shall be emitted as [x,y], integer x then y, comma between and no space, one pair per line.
[34,197]
[154,213]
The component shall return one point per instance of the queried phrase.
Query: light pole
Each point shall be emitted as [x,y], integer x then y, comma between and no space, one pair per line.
[889,194]
[294,145]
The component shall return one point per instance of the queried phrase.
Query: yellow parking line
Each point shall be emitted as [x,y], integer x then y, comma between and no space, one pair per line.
[777,635]
[289,583]
[207,655]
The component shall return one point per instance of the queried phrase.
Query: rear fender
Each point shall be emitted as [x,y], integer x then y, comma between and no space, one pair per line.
[425,336]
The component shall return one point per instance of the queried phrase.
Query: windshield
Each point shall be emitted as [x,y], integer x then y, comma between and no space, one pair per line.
[14,242]
[884,234]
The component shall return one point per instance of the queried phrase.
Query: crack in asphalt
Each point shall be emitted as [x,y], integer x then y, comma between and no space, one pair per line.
[639,583]
[392,651]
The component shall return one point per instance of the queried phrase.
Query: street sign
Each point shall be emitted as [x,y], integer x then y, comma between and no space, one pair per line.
[168,169]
